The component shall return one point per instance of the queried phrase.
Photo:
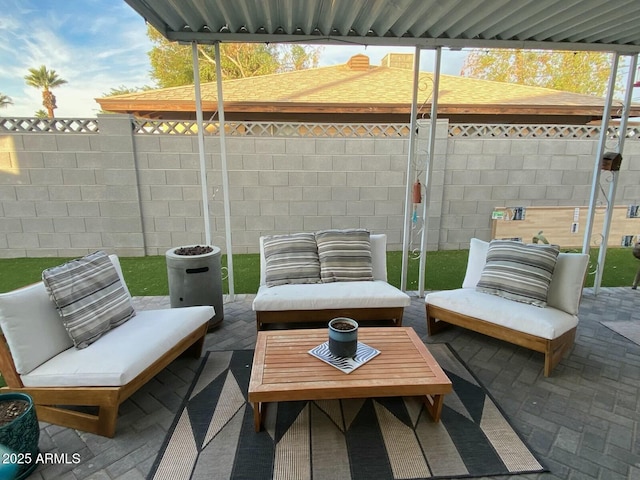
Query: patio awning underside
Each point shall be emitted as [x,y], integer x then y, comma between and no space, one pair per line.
[550,24]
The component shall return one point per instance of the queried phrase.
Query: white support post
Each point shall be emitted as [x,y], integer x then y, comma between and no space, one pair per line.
[624,120]
[225,175]
[200,123]
[413,125]
[429,171]
[595,182]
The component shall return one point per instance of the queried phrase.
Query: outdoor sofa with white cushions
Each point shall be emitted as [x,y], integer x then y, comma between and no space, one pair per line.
[314,277]
[504,296]
[75,340]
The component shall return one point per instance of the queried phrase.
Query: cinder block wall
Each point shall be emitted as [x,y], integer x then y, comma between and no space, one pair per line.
[483,173]
[276,185]
[67,194]
[70,194]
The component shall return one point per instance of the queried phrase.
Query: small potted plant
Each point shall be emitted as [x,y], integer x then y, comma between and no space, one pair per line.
[19,432]
[343,337]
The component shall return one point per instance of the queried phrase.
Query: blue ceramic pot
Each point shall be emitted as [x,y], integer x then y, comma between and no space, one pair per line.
[21,436]
[343,337]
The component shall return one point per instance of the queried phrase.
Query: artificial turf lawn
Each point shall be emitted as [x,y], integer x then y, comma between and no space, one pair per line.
[444,270]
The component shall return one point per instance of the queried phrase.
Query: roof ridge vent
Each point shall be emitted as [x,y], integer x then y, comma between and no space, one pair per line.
[358,62]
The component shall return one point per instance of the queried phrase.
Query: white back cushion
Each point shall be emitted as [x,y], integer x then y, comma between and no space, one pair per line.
[565,289]
[263,264]
[116,263]
[477,258]
[379,256]
[33,329]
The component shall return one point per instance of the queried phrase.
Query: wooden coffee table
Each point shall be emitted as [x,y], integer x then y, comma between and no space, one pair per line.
[283,370]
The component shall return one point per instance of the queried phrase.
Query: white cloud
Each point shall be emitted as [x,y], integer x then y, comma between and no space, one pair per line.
[94,45]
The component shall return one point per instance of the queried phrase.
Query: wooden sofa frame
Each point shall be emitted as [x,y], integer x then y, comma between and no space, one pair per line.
[59,405]
[391,315]
[440,318]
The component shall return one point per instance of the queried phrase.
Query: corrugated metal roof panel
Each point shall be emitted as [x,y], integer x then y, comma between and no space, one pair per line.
[558,24]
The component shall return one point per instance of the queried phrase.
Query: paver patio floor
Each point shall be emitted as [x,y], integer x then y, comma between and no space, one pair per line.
[582,422]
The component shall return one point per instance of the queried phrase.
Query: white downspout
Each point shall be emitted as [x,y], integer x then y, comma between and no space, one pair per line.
[413,126]
[429,171]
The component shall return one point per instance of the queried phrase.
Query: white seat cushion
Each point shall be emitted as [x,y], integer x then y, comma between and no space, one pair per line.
[545,322]
[323,296]
[122,353]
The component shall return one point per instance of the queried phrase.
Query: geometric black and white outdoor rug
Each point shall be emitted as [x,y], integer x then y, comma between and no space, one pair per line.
[629,329]
[213,434]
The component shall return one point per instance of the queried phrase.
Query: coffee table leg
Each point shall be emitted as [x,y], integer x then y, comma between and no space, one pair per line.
[434,406]
[257,415]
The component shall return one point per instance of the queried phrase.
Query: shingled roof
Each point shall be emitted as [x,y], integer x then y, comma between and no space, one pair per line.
[358,91]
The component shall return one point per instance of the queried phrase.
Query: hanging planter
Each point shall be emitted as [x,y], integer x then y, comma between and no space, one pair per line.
[19,432]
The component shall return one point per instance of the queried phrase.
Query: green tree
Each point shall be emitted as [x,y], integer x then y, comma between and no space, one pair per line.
[5,101]
[298,57]
[577,72]
[44,79]
[41,114]
[123,90]
[172,65]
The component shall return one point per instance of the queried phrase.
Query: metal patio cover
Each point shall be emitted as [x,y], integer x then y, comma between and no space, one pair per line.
[596,25]
[606,25]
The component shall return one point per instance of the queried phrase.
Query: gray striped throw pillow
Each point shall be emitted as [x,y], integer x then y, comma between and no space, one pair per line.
[345,255]
[518,271]
[89,297]
[291,259]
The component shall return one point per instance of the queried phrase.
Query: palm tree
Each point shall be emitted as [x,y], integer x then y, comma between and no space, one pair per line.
[44,79]
[5,101]
[41,114]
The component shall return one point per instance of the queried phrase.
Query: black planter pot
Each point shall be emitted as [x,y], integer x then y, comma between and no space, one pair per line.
[21,437]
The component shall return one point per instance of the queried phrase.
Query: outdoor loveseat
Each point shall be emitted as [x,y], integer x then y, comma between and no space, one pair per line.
[309,277]
[79,372]
[548,327]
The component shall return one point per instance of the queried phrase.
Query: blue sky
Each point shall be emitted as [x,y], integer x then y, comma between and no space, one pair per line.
[97,45]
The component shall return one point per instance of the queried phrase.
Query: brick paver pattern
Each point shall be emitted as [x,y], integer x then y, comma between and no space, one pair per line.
[582,422]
